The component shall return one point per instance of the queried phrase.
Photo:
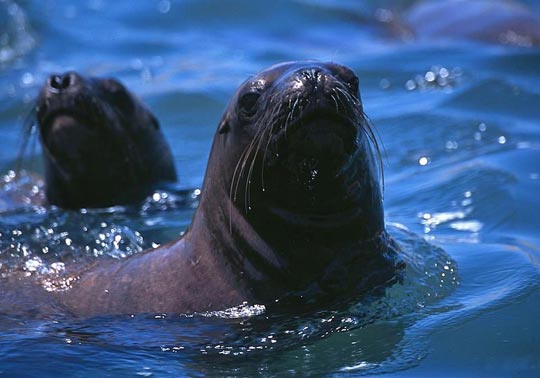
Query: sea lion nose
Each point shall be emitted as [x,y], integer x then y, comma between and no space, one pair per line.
[314,82]
[58,83]
[312,78]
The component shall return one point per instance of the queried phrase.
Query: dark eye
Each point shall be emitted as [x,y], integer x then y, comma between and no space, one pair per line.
[248,103]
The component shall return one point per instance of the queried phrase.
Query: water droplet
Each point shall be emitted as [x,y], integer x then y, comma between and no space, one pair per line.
[384,83]
[410,85]
[451,145]
[429,76]
[424,160]
[27,79]
[164,6]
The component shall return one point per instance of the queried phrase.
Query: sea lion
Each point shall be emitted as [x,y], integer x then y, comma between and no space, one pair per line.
[290,213]
[101,145]
[493,21]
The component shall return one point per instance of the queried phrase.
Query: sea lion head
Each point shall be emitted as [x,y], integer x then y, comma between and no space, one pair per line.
[302,145]
[101,145]
[300,166]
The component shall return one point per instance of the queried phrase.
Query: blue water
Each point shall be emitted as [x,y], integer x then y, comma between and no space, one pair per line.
[459,121]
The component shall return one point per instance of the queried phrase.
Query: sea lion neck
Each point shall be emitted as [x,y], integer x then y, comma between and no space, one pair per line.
[272,250]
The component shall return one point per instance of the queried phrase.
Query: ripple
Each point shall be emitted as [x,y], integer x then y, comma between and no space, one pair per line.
[505,98]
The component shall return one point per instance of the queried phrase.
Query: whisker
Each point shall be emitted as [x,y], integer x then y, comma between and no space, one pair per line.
[372,134]
[235,182]
[29,129]
[269,139]
[368,127]
[252,146]
[333,97]
[266,126]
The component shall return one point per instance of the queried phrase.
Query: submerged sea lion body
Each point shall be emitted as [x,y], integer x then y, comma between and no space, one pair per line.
[101,145]
[492,21]
[290,211]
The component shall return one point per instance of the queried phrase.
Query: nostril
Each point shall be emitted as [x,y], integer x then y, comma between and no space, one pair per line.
[312,78]
[60,82]
[312,74]
[67,80]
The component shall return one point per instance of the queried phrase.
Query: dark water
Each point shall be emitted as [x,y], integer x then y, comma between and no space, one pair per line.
[460,126]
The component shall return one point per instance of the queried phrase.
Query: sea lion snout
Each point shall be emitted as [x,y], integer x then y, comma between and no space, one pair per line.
[326,78]
[319,103]
[316,82]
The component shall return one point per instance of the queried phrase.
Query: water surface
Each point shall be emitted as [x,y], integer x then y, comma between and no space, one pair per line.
[459,123]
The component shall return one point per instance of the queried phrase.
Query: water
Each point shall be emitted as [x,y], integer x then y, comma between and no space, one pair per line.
[459,122]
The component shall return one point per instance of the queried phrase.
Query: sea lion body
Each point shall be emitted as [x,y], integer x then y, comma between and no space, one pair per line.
[101,145]
[491,21]
[290,212]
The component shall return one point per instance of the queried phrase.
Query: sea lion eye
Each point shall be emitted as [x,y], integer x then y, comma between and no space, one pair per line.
[248,103]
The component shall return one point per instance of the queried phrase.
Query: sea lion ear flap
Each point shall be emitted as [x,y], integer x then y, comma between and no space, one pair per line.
[224,126]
